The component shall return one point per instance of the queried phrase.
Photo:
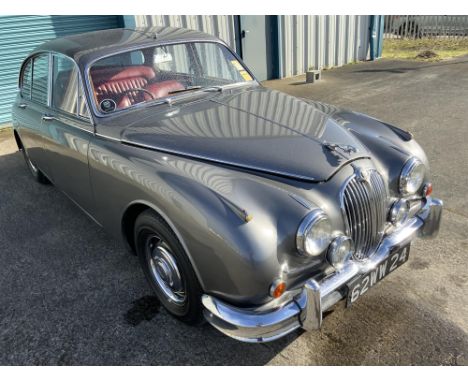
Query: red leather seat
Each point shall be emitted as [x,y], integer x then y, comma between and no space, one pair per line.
[157,89]
[163,88]
[114,82]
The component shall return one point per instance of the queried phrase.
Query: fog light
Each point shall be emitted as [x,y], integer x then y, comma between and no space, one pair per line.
[340,251]
[399,212]
[277,288]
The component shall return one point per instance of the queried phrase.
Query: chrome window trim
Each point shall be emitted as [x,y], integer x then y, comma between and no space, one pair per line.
[168,100]
[49,81]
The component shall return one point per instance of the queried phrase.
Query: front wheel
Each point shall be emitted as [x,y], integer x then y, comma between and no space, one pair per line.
[167,268]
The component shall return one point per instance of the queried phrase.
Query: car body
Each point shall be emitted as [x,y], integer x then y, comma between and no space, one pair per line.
[255,209]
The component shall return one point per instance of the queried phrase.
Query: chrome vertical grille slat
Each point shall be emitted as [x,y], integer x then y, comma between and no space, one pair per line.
[364,203]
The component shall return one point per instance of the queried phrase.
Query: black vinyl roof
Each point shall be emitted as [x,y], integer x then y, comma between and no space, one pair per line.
[89,46]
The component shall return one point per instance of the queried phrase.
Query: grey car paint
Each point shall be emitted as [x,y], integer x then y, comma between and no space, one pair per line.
[205,160]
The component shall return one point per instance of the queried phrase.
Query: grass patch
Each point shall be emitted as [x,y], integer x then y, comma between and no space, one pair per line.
[417,49]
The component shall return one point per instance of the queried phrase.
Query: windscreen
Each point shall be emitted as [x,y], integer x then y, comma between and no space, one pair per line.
[144,75]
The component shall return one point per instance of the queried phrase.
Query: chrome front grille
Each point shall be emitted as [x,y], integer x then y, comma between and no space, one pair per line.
[364,203]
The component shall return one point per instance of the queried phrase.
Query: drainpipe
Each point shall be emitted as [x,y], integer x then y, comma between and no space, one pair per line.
[372,37]
[280,48]
[376,30]
[380,35]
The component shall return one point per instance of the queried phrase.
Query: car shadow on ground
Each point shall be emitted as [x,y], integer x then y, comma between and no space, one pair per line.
[71,295]
[408,68]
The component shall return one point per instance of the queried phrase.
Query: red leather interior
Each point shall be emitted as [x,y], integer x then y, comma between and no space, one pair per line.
[114,83]
[162,89]
[101,75]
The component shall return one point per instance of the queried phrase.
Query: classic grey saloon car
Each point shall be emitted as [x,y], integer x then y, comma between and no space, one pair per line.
[249,208]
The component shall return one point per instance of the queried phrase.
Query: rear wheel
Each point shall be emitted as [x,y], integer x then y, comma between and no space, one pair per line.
[37,174]
[167,268]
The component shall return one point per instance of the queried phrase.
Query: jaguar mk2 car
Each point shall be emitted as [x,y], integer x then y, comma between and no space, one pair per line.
[249,208]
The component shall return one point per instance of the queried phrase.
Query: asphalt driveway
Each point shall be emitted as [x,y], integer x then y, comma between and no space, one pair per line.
[70,294]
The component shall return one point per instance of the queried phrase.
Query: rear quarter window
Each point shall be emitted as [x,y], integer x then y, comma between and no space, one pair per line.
[26,80]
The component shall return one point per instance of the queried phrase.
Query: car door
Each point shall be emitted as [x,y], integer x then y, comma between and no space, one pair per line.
[68,133]
[31,105]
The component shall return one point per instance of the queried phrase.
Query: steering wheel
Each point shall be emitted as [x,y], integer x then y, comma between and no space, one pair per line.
[138,90]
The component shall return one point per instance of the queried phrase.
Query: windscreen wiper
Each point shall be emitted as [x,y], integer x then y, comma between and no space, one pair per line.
[188,89]
[205,89]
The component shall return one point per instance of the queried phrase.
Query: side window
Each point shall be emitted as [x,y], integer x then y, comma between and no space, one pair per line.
[26,80]
[65,85]
[39,92]
[67,92]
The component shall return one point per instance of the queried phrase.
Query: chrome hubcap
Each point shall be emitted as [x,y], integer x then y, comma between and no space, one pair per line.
[165,271]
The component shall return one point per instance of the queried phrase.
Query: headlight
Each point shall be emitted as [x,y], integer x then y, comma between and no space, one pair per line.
[314,234]
[412,176]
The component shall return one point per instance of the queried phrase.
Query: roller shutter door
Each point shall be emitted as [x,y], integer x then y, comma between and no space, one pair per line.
[19,35]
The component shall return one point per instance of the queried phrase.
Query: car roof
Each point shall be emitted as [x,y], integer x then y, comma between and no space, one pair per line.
[86,47]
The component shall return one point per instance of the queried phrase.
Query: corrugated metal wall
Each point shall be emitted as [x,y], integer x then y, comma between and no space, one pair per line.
[19,35]
[219,26]
[306,41]
[319,42]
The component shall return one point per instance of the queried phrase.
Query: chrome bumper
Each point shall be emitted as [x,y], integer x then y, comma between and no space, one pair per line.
[306,309]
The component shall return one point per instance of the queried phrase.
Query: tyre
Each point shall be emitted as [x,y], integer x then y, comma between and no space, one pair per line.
[167,268]
[35,172]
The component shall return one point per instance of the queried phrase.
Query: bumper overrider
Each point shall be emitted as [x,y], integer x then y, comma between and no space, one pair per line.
[306,309]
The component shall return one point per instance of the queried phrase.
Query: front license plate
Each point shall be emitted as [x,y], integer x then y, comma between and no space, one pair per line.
[360,285]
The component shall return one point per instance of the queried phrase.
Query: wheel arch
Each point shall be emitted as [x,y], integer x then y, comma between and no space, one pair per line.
[129,216]
[18,141]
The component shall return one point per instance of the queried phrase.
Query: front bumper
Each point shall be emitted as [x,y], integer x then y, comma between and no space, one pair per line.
[306,309]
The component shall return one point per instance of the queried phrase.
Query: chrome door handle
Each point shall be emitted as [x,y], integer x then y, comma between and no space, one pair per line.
[22,106]
[46,117]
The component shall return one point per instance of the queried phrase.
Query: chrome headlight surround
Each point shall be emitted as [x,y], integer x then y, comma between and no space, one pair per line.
[412,176]
[314,234]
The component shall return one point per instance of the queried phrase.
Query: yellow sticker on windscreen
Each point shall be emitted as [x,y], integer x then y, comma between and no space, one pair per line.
[237,65]
[245,75]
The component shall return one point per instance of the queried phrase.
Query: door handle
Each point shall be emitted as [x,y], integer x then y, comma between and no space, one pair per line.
[244,32]
[46,117]
[22,106]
